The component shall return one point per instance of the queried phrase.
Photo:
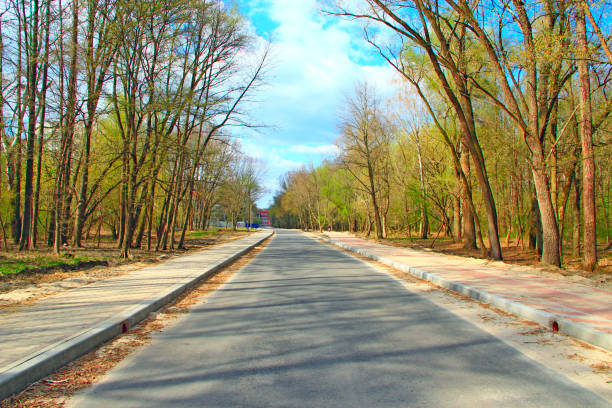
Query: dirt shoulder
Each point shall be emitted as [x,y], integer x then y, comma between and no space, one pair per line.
[521,260]
[24,288]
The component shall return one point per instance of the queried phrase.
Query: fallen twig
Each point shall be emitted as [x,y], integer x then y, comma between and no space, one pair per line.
[54,381]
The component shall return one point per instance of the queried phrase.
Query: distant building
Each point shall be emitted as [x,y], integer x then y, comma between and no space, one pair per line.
[265,218]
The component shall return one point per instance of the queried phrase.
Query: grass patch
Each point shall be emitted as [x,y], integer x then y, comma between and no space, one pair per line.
[17,265]
[14,264]
[214,231]
[204,234]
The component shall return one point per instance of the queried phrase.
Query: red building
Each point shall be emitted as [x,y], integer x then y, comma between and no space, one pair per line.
[265,218]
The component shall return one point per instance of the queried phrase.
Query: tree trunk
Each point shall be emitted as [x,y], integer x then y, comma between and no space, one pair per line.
[457,216]
[577,219]
[588,161]
[550,232]
[122,204]
[379,230]
[26,224]
[14,157]
[181,244]
[150,209]
[130,222]
[41,131]
[95,82]
[469,229]
[2,123]
[424,229]
[63,210]
[535,227]
[606,214]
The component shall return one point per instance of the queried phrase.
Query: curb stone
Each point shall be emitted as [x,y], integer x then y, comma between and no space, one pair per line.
[563,325]
[19,374]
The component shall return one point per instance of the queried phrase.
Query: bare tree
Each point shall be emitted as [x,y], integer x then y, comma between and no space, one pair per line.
[41,131]
[100,48]
[31,35]
[588,160]
[364,141]
[63,193]
[442,59]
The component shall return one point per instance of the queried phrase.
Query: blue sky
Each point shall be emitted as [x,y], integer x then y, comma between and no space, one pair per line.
[315,62]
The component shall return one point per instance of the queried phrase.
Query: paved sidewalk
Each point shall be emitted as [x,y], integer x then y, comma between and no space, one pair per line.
[581,311]
[36,339]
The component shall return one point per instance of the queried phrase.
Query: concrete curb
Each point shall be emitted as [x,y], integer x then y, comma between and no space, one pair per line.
[18,375]
[553,321]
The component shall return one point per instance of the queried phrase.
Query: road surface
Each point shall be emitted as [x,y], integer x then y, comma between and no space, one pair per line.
[305,325]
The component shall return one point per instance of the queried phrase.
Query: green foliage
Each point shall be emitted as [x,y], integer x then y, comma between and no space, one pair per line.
[204,234]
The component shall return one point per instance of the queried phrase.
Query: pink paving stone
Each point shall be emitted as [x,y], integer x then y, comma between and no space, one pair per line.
[593,321]
[598,324]
[577,302]
[568,313]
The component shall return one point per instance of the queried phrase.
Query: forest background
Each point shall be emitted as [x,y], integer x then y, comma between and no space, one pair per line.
[498,136]
[115,121]
[117,116]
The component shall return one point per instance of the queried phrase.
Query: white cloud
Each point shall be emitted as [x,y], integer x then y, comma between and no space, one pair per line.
[316,61]
[328,149]
[313,68]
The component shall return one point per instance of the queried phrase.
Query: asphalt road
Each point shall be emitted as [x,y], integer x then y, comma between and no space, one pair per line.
[304,325]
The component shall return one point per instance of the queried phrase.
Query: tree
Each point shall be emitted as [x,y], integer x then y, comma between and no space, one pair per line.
[108,104]
[32,50]
[242,187]
[586,131]
[529,106]
[449,71]
[365,143]
[100,48]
